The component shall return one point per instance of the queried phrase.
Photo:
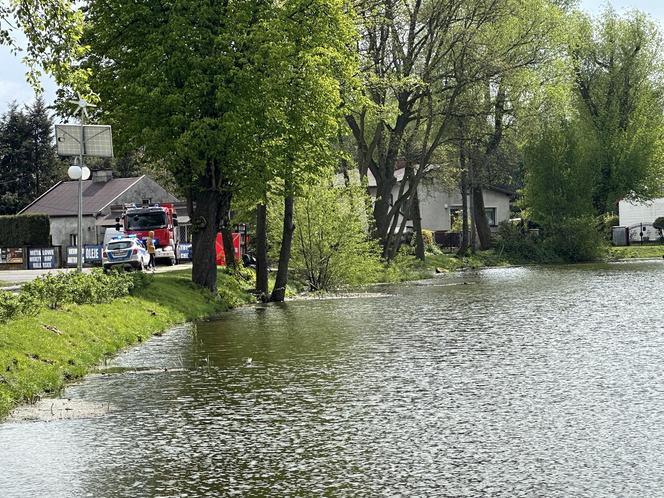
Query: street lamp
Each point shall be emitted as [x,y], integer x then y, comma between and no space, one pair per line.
[76,172]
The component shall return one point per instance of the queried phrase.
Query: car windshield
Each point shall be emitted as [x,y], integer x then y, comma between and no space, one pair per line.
[121,244]
[146,221]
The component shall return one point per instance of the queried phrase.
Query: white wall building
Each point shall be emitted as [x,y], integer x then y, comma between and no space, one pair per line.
[639,217]
[439,205]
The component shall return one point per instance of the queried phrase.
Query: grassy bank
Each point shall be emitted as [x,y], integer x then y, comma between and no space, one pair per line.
[635,252]
[406,268]
[39,354]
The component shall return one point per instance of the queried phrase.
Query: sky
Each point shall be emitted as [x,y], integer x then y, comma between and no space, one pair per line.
[13,87]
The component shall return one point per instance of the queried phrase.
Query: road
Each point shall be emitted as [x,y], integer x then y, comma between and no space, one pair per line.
[17,277]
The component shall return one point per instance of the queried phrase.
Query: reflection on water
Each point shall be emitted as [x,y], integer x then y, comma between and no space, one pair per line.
[501,382]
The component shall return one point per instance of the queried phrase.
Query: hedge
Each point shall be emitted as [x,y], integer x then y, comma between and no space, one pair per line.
[24,230]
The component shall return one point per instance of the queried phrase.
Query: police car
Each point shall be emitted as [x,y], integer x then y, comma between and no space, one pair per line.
[125,252]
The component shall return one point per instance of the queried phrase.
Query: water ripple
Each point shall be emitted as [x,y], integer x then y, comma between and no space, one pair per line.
[529,382]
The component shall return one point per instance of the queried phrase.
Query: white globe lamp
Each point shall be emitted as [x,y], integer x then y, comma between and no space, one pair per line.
[86,173]
[75,172]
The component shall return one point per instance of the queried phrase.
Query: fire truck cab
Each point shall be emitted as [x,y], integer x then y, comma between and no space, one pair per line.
[158,218]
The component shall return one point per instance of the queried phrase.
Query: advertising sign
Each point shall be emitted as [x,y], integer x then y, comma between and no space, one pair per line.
[72,254]
[184,251]
[12,255]
[92,254]
[42,258]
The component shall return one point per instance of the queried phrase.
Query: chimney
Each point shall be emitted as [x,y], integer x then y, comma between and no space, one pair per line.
[102,175]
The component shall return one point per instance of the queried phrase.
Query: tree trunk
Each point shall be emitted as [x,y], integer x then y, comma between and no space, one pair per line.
[381,213]
[417,226]
[261,251]
[471,228]
[279,290]
[205,222]
[229,249]
[465,231]
[481,221]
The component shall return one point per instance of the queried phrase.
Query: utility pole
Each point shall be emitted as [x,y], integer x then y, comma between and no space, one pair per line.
[79,238]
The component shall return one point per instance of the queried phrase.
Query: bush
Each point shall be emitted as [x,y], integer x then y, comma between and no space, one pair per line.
[570,240]
[56,290]
[14,305]
[331,246]
[658,223]
[605,224]
[24,230]
[519,244]
[430,246]
[576,240]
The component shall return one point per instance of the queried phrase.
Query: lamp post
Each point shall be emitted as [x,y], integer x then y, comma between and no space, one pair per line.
[78,173]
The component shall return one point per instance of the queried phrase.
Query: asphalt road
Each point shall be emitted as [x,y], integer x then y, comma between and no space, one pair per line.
[16,277]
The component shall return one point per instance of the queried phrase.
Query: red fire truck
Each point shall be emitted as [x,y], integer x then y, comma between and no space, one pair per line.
[158,218]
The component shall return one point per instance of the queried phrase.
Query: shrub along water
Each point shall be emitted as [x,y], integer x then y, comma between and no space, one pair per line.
[569,241]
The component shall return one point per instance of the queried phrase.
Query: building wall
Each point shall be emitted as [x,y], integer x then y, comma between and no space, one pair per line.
[145,189]
[436,205]
[63,227]
[632,213]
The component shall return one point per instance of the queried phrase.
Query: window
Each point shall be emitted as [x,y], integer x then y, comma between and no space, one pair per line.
[73,238]
[456,215]
[491,216]
[146,220]
[456,218]
[122,244]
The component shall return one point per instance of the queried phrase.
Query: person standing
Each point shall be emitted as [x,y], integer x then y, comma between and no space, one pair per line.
[149,244]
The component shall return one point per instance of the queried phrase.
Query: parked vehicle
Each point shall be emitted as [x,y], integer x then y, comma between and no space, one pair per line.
[112,233]
[125,253]
[158,218]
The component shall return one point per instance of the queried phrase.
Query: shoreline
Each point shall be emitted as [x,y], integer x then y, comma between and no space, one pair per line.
[41,354]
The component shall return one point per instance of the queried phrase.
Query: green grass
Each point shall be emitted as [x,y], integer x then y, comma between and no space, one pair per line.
[4,283]
[481,259]
[405,268]
[40,354]
[632,252]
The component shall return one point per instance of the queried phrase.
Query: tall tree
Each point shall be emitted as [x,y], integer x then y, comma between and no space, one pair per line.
[178,84]
[618,66]
[28,163]
[209,88]
[420,58]
[316,66]
[53,30]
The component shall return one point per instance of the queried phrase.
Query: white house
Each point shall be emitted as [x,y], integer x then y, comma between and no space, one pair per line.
[440,205]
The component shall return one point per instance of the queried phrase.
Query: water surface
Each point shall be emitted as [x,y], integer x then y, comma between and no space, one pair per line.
[501,382]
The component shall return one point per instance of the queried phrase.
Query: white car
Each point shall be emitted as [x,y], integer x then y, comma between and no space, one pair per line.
[125,252]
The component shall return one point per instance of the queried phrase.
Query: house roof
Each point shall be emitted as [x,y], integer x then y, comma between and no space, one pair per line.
[61,199]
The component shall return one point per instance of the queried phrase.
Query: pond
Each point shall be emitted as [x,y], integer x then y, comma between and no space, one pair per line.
[500,382]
